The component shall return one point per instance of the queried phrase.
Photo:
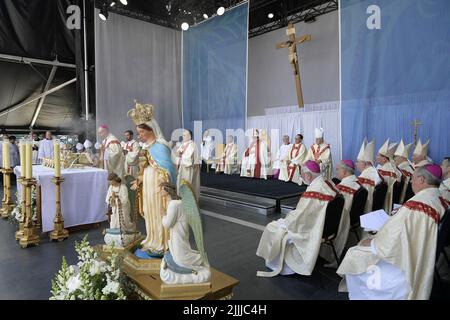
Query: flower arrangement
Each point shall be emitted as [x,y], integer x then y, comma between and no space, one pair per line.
[91,279]
[16,213]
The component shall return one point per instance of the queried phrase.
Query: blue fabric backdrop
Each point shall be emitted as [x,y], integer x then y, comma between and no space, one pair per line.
[396,74]
[215,72]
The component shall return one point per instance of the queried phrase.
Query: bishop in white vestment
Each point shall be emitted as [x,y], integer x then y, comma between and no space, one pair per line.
[281,156]
[188,163]
[349,185]
[255,161]
[296,157]
[131,150]
[46,147]
[405,167]
[398,263]
[228,163]
[111,155]
[369,176]
[320,152]
[420,154]
[291,245]
[388,172]
[445,185]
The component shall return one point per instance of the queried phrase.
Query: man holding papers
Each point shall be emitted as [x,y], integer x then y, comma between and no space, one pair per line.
[398,263]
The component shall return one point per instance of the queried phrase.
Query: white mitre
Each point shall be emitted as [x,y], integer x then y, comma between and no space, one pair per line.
[318,133]
[421,149]
[402,150]
[87,144]
[369,152]
[79,146]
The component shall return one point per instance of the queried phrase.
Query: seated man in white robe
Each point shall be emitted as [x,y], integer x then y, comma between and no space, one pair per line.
[398,263]
[420,154]
[255,160]
[369,176]
[188,163]
[228,163]
[46,147]
[291,245]
[349,185]
[111,155]
[296,157]
[388,172]
[280,159]
[207,150]
[320,152]
[405,167]
[445,185]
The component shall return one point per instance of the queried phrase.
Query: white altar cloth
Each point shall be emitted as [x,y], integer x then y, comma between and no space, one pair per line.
[83,195]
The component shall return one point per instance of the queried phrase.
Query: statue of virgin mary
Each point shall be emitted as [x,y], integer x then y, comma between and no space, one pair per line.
[156,168]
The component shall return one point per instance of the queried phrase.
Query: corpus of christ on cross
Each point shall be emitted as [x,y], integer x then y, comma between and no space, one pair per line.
[293,58]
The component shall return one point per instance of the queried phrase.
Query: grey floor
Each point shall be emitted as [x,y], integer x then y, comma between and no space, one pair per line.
[231,241]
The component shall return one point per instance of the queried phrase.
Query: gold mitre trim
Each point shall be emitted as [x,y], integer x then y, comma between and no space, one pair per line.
[142,113]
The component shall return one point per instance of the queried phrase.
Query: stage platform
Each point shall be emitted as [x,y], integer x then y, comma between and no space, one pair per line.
[261,196]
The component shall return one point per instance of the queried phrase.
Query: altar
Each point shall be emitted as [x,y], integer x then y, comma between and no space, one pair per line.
[83,195]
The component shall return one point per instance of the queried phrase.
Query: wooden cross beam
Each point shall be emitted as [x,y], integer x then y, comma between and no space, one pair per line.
[291,44]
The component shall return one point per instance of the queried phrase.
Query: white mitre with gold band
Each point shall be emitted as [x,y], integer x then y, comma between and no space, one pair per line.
[403,150]
[421,149]
[388,149]
[318,133]
[144,114]
[366,153]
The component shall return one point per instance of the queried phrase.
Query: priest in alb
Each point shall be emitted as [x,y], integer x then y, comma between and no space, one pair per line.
[398,263]
[320,152]
[281,156]
[292,245]
[131,150]
[296,157]
[255,161]
[46,147]
[420,154]
[405,167]
[388,172]
[349,185]
[111,154]
[188,163]
[228,163]
[369,176]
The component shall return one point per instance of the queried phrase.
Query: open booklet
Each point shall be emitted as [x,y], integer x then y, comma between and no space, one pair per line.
[373,221]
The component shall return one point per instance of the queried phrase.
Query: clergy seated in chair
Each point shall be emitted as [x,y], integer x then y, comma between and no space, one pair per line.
[405,168]
[398,263]
[345,171]
[255,160]
[292,245]
[369,177]
[389,172]
[290,165]
[228,163]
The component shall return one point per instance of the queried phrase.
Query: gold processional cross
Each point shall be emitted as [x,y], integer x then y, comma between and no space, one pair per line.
[416,124]
[293,58]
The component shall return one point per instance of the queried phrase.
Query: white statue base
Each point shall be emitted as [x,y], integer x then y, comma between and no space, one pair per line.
[118,240]
[168,276]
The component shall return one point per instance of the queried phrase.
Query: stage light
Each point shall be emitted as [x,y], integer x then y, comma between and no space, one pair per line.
[205,16]
[103,14]
[270,15]
[124,2]
[221,11]
[113,4]
[185,26]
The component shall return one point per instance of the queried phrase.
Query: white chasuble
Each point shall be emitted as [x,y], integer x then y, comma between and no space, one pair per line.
[281,156]
[228,163]
[407,171]
[323,153]
[389,174]
[348,187]
[297,157]
[111,156]
[255,161]
[400,262]
[369,178]
[132,158]
[292,244]
[189,166]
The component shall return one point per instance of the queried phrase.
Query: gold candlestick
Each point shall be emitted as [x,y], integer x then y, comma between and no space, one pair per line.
[58,233]
[7,204]
[30,235]
[19,233]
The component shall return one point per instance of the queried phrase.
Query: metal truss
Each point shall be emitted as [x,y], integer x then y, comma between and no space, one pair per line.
[320,8]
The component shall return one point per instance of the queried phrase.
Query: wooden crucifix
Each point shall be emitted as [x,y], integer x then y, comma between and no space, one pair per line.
[293,58]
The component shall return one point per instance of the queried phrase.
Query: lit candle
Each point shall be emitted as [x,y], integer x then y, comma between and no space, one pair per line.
[22,147]
[28,160]
[57,158]
[6,162]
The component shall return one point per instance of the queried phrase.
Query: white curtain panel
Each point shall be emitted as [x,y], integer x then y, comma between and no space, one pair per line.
[289,120]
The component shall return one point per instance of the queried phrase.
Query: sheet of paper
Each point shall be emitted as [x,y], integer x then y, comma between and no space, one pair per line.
[373,221]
